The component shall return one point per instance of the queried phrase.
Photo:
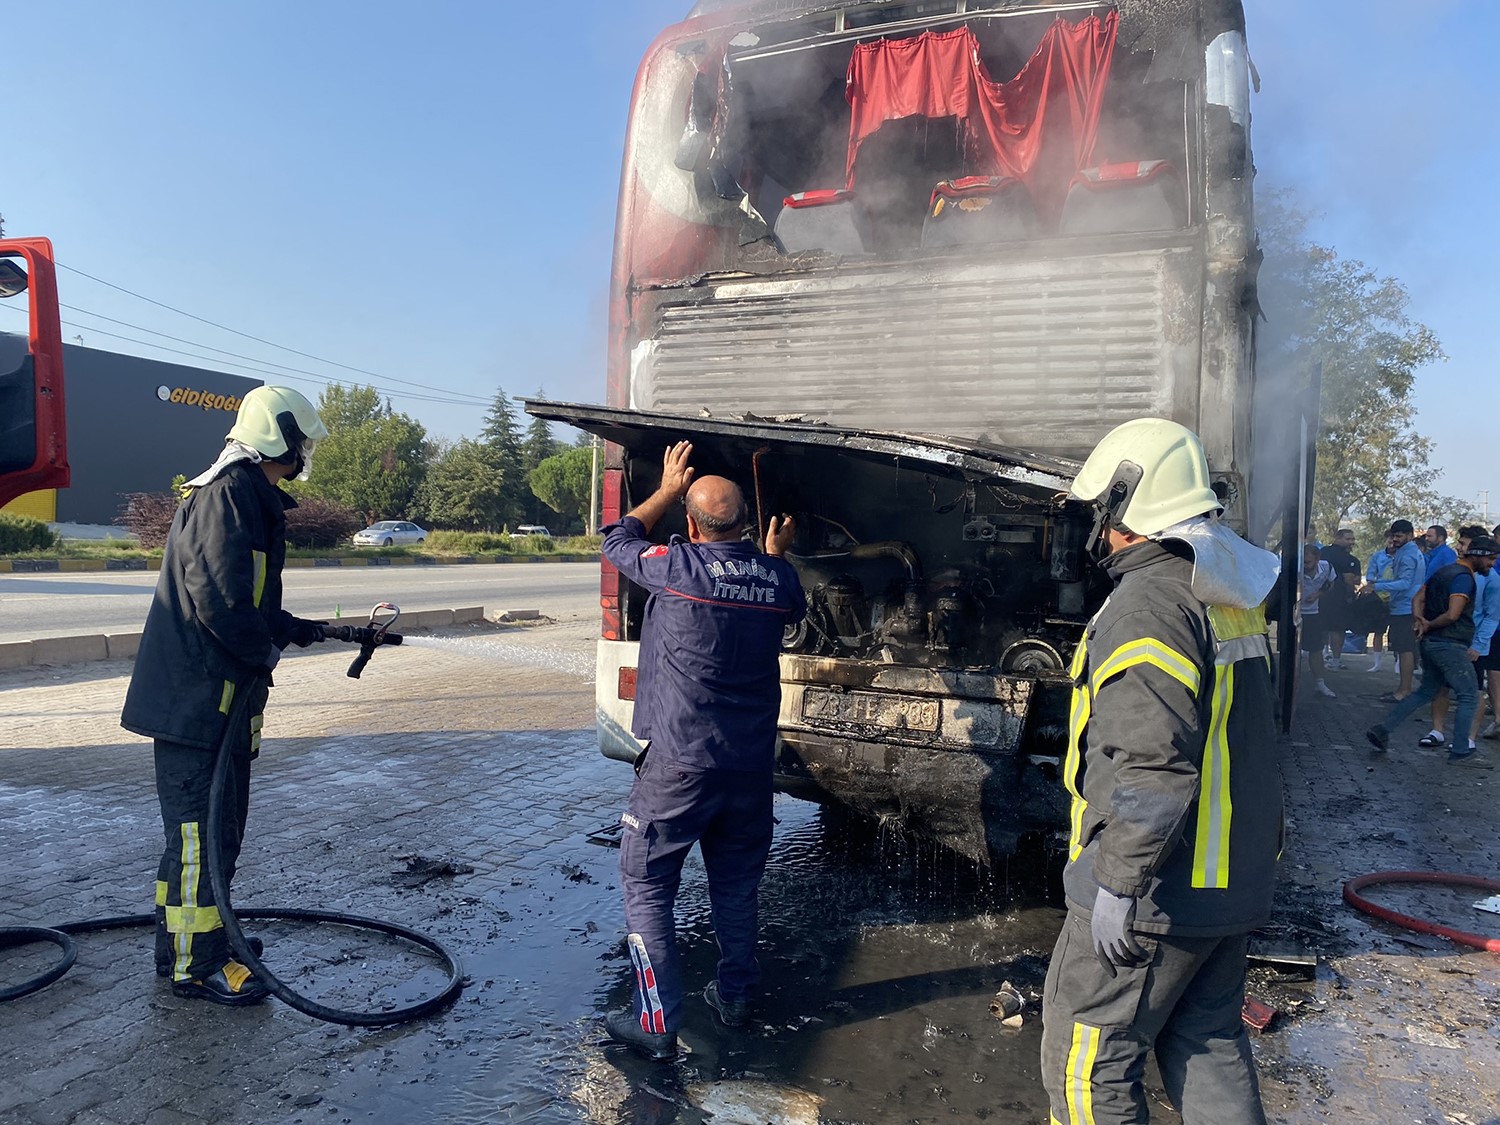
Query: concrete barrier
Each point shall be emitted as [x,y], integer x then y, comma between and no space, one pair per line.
[122,646]
[125,646]
[15,654]
[69,650]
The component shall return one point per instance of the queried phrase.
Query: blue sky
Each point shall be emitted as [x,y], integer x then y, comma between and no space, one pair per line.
[428,192]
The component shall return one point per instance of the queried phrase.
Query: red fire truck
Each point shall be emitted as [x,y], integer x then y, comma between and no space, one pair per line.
[33,435]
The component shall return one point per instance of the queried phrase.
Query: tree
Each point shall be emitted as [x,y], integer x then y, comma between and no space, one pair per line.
[373,459]
[538,445]
[1341,313]
[464,488]
[562,482]
[503,438]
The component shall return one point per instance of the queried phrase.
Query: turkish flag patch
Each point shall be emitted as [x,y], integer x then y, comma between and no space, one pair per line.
[654,552]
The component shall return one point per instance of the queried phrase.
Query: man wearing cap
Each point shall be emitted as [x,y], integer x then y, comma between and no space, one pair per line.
[1446,628]
[1175,783]
[1410,572]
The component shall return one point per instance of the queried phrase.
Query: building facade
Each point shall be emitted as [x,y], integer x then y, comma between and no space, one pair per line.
[133,425]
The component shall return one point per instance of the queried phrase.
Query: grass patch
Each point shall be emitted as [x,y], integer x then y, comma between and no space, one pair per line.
[440,545]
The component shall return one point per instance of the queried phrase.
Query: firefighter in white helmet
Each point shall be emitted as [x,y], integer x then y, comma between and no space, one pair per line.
[1176,797]
[215,628]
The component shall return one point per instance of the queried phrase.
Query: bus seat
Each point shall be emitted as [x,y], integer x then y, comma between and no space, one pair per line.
[979,209]
[831,220]
[1121,198]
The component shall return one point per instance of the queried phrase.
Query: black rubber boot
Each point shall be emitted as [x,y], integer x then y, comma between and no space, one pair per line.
[232,985]
[625,1027]
[734,1013]
[257,947]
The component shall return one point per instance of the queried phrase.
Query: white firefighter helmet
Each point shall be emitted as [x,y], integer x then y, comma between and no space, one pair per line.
[1148,474]
[279,423]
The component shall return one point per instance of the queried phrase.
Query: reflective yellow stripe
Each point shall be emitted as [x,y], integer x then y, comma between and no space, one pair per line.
[1148,650]
[226,697]
[1078,718]
[1229,622]
[189,894]
[1079,658]
[1241,634]
[193,919]
[1211,843]
[1080,1083]
[258,562]
[161,892]
[256,723]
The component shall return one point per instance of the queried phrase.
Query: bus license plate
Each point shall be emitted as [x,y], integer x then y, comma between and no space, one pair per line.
[871,709]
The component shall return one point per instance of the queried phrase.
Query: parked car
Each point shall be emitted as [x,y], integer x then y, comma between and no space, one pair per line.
[389,533]
[528,529]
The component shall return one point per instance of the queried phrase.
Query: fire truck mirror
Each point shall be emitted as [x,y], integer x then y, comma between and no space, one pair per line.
[12,279]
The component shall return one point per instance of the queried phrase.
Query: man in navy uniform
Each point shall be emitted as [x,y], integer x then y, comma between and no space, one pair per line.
[707,696]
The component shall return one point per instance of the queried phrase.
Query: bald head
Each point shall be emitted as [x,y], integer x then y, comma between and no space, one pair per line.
[717,506]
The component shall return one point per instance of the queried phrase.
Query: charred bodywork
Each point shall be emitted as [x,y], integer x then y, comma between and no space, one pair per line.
[947,587]
[945,574]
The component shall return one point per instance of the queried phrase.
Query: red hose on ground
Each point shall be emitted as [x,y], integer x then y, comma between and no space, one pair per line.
[1359,902]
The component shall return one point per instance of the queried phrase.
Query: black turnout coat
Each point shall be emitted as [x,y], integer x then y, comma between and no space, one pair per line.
[217,610]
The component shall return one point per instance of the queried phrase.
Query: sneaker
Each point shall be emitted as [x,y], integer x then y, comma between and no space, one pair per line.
[1379,665]
[1379,737]
[1333,664]
[625,1028]
[232,985]
[1491,731]
[1325,691]
[257,947]
[734,1013]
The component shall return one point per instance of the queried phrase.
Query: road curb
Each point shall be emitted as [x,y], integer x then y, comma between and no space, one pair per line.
[56,652]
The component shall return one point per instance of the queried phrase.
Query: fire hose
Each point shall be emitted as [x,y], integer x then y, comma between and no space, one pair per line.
[1353,897]
[369,638]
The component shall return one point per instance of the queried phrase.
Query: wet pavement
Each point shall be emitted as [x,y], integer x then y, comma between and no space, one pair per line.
[881,953]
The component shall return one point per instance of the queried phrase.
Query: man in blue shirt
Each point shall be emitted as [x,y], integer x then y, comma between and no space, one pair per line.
[1439,554]
[708,692]
[1446,626]
[1410,571]
[1479,646]
[1373,613]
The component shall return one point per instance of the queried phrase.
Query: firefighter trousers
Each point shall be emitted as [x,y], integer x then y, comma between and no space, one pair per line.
[727,813]
[190,938]
[1184,1004]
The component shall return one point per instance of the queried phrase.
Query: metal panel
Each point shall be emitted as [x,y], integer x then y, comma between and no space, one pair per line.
[1047,354]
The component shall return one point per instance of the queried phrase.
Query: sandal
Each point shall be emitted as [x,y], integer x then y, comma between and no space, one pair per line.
[1431,740]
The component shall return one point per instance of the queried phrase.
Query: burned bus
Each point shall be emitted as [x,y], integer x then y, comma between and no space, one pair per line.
[895,268]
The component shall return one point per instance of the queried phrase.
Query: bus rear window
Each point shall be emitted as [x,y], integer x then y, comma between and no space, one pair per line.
[909,166]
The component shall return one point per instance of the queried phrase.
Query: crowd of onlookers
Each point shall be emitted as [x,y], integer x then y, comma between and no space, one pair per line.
[1432,605]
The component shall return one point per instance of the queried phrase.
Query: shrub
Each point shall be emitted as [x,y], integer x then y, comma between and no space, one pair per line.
[468,542]
[316,522]
[581,544]
[22,533]
[148,516]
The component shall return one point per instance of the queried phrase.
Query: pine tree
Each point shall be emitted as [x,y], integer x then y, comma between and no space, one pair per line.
[538,446]
[502,437]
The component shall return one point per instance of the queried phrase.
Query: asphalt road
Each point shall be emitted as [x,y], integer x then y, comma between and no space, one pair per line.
[33,606]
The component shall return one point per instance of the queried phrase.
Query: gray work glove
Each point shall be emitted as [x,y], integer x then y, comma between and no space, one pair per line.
[1114,944]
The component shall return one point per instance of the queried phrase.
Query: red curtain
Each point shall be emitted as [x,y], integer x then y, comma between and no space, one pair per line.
[1039,127]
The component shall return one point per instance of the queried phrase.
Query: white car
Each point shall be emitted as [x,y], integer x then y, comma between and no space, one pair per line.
[526,529]
[389,533]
